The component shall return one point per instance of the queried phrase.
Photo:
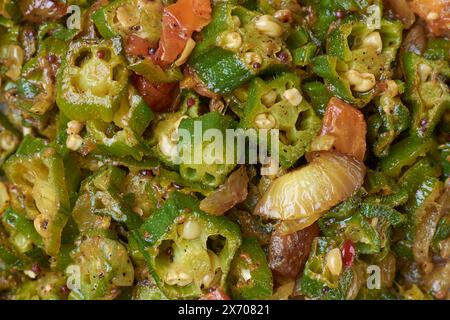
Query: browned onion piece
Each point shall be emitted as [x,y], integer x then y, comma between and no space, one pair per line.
[348,139]
[306,193]
[251,227]
[288,253]
[415,41]
[232,192]
[402,11]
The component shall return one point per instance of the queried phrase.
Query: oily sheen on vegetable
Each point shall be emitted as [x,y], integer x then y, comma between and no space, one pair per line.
[305,193]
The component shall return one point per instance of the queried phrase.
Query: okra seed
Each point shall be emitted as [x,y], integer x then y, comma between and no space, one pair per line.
[293,96]
[27,131]
[265,121]
[392,88]
[191,230]
[334,261]
[373,40]
[138,210]
[74,127]
[246,275]
[8,142]
[232,40]
[360,82]
[171,277]
[4,197]
[424,71]
[167,147]
[184,279]
[267,25]
[127,16]
[178,278]
[269,98]
[236,21]
[74,142]
[207,280]
[30,274]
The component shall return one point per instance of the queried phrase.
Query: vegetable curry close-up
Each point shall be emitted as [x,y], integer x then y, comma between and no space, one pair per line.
[350,201]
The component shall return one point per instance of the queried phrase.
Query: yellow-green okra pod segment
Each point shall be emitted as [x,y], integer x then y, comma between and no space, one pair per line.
[190,251]
[91,81]
[279,105]
[38,172]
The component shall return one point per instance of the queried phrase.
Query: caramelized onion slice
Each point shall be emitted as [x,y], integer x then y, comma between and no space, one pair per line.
[232,192]
[347,126]
[288,253]
[414,41]
[306,193]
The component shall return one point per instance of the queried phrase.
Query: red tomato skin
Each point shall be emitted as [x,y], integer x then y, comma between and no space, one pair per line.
[180,21]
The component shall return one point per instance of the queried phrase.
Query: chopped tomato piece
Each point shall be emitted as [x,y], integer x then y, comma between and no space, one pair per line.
[159,97]
[215,294]
[180,20]
[347,126]
[436,13]
[137,46]
[193,15]
[173,39]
